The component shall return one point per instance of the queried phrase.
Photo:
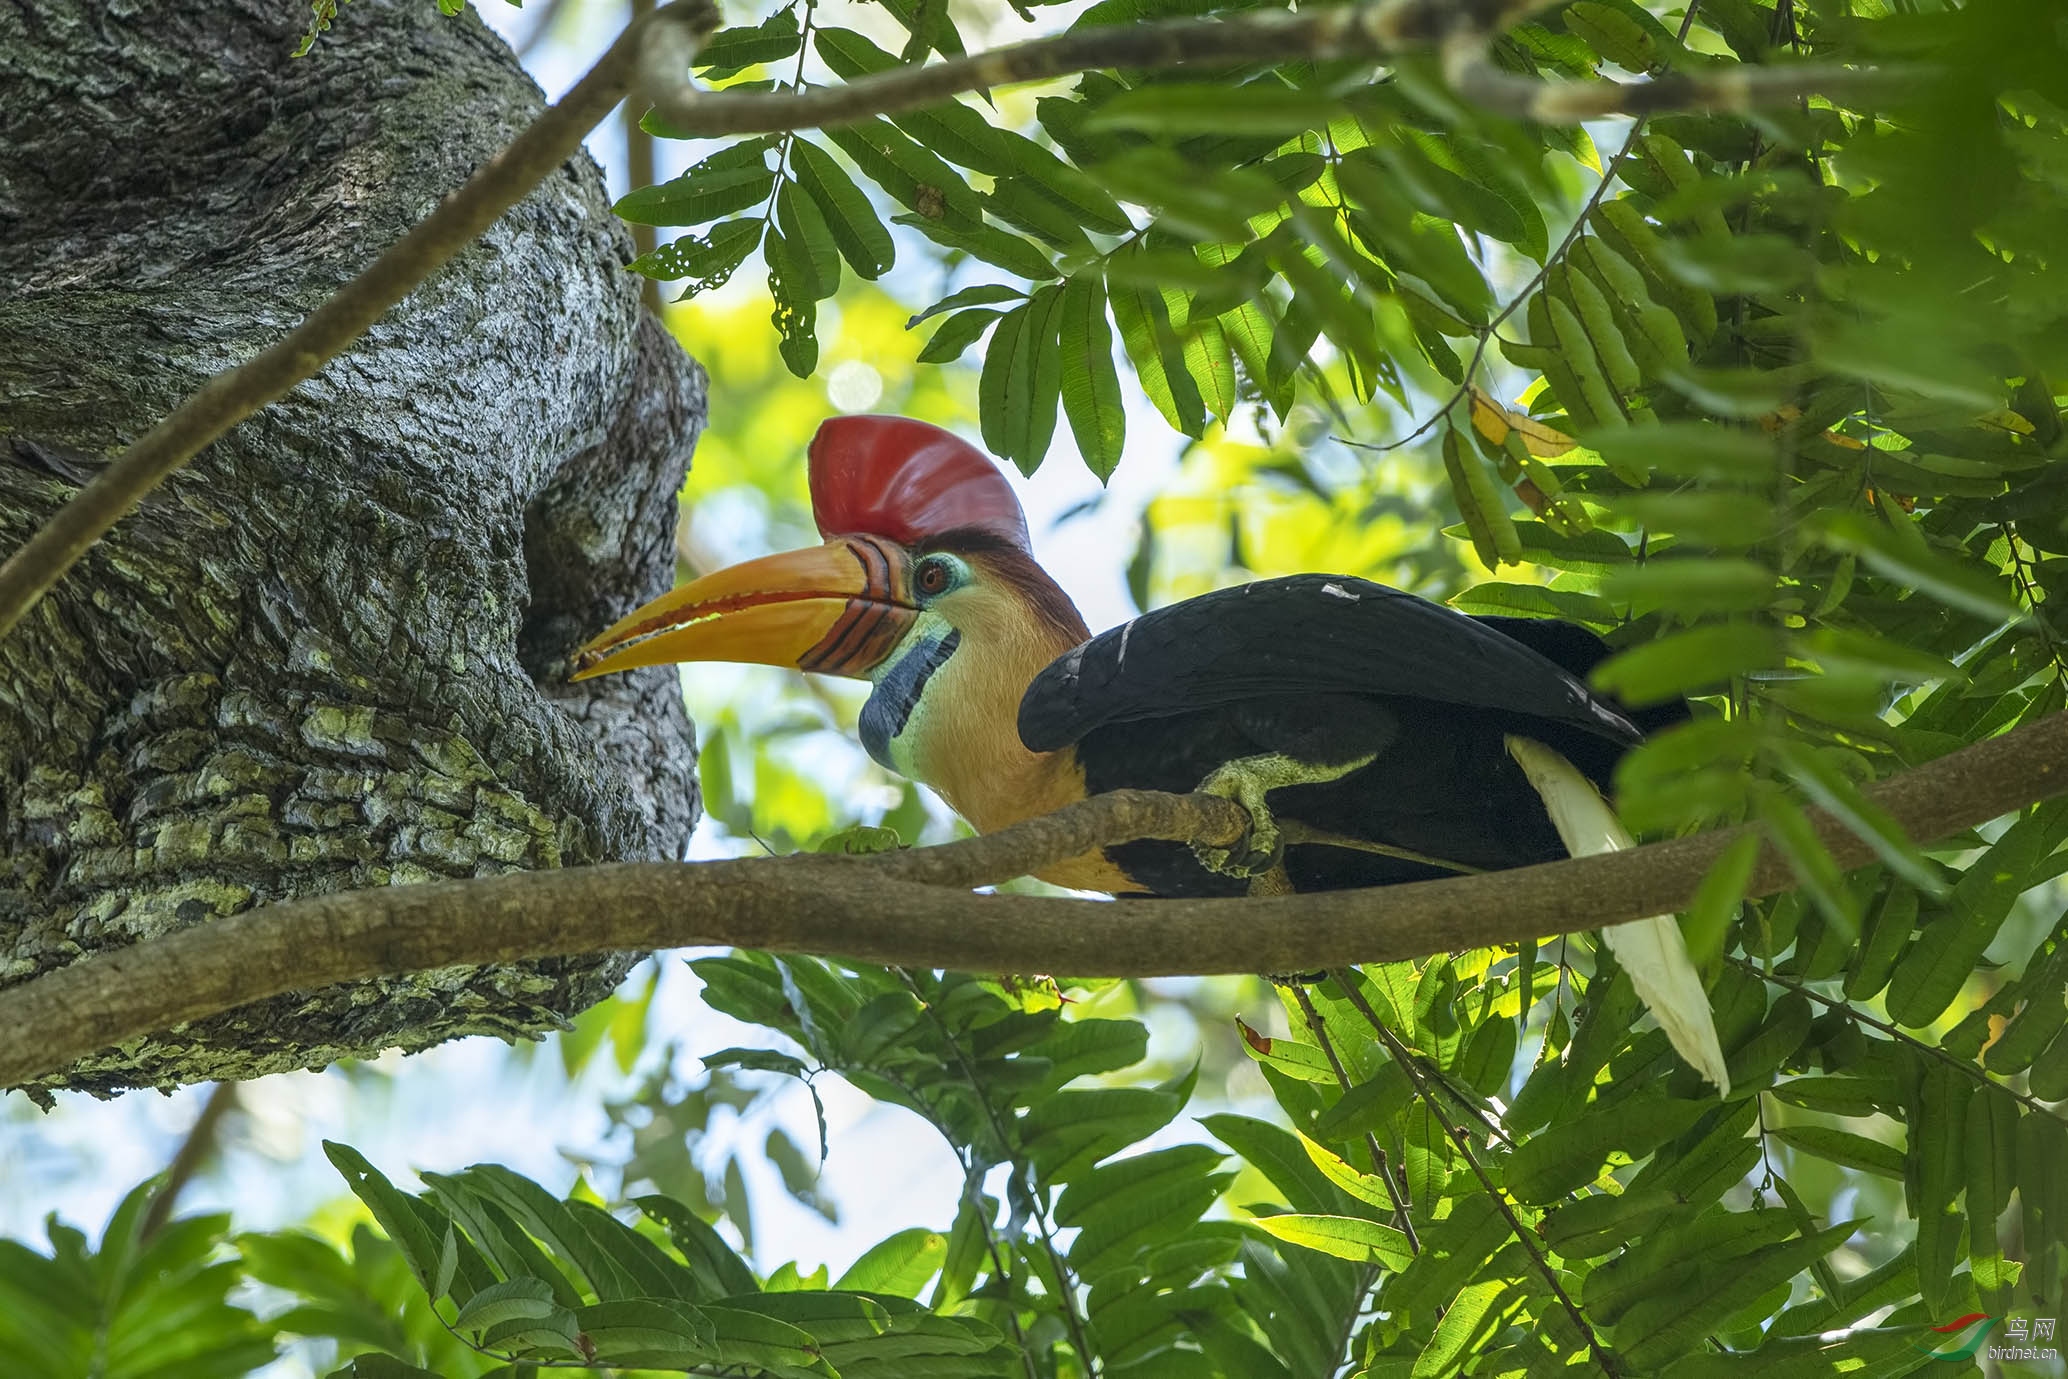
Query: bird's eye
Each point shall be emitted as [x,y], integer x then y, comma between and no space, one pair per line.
[933,576]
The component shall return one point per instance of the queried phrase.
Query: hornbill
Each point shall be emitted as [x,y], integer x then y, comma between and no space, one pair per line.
[1373,737]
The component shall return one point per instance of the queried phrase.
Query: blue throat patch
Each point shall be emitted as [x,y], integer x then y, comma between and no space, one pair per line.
[897,694]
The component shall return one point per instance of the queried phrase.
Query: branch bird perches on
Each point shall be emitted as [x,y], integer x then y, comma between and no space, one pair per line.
[907,908]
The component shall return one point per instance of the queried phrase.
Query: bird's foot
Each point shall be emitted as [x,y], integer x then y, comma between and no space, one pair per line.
[1260,849]
[1261,852]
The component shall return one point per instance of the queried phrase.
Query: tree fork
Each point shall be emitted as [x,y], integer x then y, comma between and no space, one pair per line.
[902,909]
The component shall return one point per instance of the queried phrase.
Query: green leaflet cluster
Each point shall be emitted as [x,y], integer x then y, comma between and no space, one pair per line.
[136,1308]
[1103,1254]
[536,1280]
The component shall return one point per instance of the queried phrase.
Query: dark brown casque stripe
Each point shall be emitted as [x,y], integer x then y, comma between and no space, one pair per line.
[872,623]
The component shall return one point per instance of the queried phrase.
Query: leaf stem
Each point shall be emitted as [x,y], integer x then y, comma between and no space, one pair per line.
[1847,1008]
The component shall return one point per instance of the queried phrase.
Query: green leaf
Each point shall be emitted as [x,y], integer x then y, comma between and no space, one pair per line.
[831,1318]
[1069,187]
[1468,1323]
[1090,384]
[1936,1174]
[1716,900]
[1368,1188]
[499,1302]
[718,1269]
[981,294]
[1346,1237]
[987,242]
[1022,381]
[1069,1131]
[1991,1155]
[1573,1152]
[1911,565]
[649,1333]
[560,1226]
[1931,973]
[705,261]
[1024,205]
[790,282]
[1836,795]
[382,1367]
[1593,1226]
[901,1264]
[1158,355]
[392,1208]
[2042,1170]
[1687,662]
[1882,940]
[730,51]
[1534,601]
[1278,1154]
[763,1342]
[1691,450]
[812,255]
[1078,1048]
[1305,1062]
[1188,201]
[1659,1329]
[1693,584]
[1137,1202]
[912,176]
[1842,1147]
[696,197]
[957,334]
[862,239]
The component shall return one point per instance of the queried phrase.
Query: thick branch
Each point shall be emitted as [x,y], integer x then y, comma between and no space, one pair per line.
[869,909]
[230,397]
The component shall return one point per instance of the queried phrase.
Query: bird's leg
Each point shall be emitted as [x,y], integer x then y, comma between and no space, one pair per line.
[1246,780]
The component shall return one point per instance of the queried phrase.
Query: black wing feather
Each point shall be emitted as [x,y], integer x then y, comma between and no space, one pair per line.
[1303,634]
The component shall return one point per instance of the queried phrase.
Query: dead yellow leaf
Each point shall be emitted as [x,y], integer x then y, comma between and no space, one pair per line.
[1493,421]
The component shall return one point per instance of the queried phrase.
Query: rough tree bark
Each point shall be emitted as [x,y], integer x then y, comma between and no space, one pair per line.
[329,654]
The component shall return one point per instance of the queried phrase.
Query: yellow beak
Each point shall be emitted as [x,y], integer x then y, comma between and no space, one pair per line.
[839,609]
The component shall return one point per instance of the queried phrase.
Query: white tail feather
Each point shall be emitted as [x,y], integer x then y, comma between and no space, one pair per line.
[1651,950]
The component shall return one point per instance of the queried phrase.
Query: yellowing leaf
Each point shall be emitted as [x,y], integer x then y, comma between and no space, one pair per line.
[1493,421]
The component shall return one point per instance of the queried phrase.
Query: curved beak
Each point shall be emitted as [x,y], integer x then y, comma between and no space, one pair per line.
[839,609]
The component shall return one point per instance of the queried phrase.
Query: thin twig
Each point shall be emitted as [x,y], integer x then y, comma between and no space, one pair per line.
[1066,1296]
[1370,1274]
[1847,1008]
[1402,1055]
[639,172]
[1379,1162]
[194,1151]
[1372,30]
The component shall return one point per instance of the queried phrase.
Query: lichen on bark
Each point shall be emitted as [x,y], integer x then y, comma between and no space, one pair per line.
[331,653]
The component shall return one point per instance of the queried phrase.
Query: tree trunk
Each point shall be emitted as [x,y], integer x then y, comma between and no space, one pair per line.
[331,653]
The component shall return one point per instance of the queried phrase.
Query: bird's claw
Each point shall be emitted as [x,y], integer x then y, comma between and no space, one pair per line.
[1262,846]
